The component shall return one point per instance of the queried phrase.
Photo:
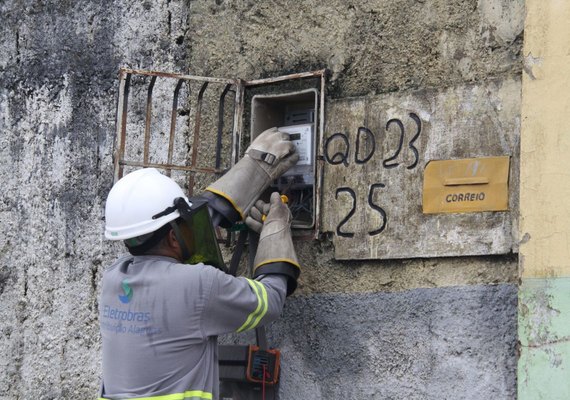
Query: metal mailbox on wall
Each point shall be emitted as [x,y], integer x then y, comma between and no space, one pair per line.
[377,150]
[467,185]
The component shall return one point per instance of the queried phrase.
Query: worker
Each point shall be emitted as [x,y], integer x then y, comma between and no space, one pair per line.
[159,316]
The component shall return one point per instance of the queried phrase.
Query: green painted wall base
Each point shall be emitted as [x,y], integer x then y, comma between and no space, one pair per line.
[544,336]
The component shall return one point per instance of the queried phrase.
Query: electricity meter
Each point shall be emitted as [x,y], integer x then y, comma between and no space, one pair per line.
[301,174]
[293,113]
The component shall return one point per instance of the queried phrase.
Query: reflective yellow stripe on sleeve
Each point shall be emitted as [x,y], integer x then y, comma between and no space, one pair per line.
[255,317]
[188,395]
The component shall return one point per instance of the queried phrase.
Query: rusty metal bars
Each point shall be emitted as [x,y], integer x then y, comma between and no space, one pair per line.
[238,117]
[196,142]
[221,112]
[148,117]
[240,87]
[173,114]
[312,74]
[177,76]
[121,126]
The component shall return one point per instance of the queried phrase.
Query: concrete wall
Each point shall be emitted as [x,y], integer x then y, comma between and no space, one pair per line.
[59,68]
[411,328]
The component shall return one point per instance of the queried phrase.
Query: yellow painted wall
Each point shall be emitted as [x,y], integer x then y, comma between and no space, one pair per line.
[545,141]
[544,261]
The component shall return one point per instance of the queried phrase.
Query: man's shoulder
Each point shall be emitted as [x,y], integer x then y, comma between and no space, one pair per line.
[159,265]
[122,260]
[193,269]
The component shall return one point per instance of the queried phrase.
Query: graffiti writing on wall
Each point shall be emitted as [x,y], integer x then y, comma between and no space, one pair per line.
[337,152]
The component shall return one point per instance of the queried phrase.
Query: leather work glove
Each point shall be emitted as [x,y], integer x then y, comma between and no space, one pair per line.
[275,252]
[255,218]
[269,156]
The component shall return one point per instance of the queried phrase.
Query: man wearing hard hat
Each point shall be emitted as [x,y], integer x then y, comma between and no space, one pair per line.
[159,316]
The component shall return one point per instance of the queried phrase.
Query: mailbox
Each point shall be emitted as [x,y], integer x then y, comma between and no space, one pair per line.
[467,185]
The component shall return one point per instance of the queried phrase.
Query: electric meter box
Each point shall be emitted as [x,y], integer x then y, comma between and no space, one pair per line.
[302,173]
[294,113]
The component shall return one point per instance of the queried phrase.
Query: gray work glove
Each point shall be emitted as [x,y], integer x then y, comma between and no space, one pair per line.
[275,242]
[256,216]
[269,156]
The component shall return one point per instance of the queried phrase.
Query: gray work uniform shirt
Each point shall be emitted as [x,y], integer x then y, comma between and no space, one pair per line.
[160,319]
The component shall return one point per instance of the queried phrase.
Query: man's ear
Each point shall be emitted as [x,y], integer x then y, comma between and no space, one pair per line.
[171,240]
[174,246]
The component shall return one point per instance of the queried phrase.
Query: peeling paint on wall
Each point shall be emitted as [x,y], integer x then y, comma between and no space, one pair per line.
[544,336]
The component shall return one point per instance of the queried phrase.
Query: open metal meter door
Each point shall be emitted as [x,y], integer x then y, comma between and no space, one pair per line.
[191,128]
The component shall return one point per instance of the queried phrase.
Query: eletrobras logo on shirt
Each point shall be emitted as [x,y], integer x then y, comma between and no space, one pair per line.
[119,320]
[126,298]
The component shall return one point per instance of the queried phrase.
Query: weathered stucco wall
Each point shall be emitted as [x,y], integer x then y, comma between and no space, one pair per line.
[59,62]
[58,67]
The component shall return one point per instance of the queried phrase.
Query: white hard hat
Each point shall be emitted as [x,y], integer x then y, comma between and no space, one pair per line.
[137,203]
